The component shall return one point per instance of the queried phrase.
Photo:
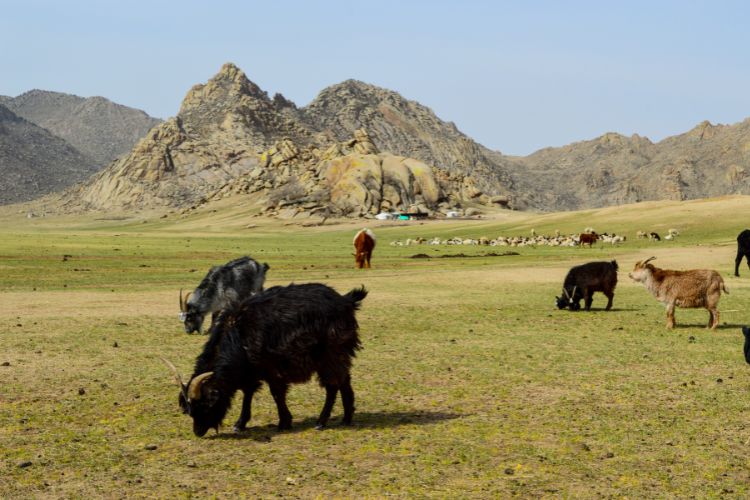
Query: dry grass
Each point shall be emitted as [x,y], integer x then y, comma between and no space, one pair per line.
[470,383]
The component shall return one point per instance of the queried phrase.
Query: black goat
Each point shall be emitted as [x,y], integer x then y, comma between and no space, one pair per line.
[222,286]
[281,336]
[743,250]
[582,281]
[746,348]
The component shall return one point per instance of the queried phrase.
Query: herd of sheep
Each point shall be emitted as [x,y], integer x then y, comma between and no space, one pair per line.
[588,236]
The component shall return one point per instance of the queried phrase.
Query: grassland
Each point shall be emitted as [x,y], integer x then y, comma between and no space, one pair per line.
[470,383]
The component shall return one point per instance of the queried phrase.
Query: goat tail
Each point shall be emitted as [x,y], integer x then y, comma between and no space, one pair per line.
[614,264]
[357,295]
[724,287]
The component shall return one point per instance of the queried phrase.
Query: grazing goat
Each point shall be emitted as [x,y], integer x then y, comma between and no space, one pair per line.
[588,239]
[694,288]
[364,243]
[654,236]
[281,336]
[746,348]
[582,281]
[222,285]
[743,250]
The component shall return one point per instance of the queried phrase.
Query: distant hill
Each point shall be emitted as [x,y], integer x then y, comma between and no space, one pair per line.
[34,162]
[97,127]
[707,161]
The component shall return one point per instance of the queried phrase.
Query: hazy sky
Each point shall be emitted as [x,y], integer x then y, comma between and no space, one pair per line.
[515,76]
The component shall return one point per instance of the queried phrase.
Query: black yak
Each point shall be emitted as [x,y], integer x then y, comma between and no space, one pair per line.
[582,281]
[743,250]
[281,336]
[222,285]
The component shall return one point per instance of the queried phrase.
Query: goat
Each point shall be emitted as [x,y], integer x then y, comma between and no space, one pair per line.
[654,236]
[280,336]
[743,250]
[222,285]
[694,288]
[582,281]
[588,238]
[746,347]
[364,243]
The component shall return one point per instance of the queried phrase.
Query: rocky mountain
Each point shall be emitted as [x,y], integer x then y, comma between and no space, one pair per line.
[709,160]
[357,149]
[34,162]
[97,127]
[230,137]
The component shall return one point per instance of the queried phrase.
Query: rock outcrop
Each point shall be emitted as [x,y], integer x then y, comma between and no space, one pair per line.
[230,138]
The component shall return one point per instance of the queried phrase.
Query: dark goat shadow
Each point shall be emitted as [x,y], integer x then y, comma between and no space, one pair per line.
[725,326]
[601,309]
[364,420]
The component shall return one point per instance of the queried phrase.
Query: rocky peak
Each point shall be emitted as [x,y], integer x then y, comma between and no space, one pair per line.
[704,130]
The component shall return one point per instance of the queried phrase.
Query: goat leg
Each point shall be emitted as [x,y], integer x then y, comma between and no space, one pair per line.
[347,398]
[247,400]
[278,391]
[670,315]
[610,296]
[325,414]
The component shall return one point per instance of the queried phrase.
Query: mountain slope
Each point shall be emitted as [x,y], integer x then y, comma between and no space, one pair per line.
[98,127]
[34,162]
[709,160]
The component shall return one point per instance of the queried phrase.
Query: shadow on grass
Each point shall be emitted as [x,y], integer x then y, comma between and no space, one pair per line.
[365,420]
[725,326]
[601,309]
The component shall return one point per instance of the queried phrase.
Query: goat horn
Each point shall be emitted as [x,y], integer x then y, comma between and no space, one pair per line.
[573,295]
[194,389]
[182,302]
[648,260]
[177,377]
[565,291]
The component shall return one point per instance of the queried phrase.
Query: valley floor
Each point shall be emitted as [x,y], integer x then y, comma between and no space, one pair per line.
[470,383]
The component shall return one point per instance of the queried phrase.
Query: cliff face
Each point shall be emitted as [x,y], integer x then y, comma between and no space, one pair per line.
[230,137]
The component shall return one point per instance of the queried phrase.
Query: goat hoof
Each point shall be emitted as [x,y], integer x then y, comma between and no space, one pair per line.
[320,427]
[239,430]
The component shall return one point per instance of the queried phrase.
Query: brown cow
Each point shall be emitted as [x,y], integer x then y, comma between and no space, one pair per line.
[588,238]
[364,242]
[694,288]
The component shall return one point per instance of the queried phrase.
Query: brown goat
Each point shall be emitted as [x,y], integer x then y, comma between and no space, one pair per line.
[694,288]
[364,243]
[588,238]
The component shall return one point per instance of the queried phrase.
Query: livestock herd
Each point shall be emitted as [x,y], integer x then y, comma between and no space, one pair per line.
[285,334]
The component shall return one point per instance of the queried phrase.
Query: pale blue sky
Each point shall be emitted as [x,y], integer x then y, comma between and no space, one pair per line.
[515,76]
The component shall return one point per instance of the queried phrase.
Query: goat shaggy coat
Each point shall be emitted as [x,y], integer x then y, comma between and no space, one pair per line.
[689,289]
[582,281]
[222,285]
[281,336]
